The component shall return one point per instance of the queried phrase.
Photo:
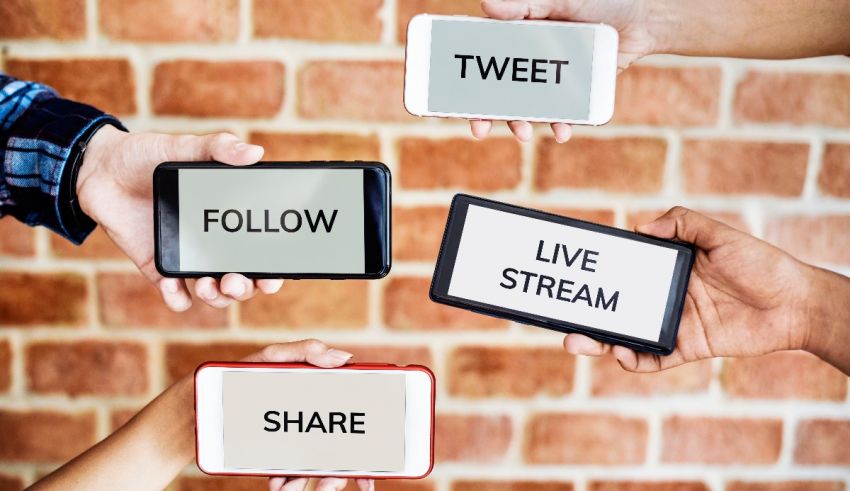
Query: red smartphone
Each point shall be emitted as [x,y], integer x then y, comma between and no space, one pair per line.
[271,419]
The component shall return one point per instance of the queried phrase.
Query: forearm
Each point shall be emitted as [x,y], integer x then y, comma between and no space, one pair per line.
[145,454]
[750,28]
[828,318]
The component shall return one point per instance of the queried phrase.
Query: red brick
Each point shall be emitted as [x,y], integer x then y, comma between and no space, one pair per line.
[406,9]
[87,367]
[238,89]
[622,165]
[668,96]
[477,371]
[181,359]
[128,299]
[784,375]
[418,232]
[746,441]
[647,486]
[43,298]
[352,90]
[823,442]
[29,19]
[464,163]
[305,303]
[118,417]
[834,177]
[318,20]
[609,379]
[5,365]
[797,98]
[744,167]
[785,486]
[823,238]
[511,486]
[220,483]
[11,483]
[97,246]
[735,220]
[408,307]
[395,355]
[583,438]
[165,21]
[471,438]
[317,146]
[604,217]
[44,435]
[105,83]
[16,239]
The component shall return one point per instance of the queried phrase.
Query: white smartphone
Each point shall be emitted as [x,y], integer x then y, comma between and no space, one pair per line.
[366,420]
[530,70]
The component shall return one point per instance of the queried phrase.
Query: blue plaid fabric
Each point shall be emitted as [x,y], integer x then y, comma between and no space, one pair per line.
[38,130]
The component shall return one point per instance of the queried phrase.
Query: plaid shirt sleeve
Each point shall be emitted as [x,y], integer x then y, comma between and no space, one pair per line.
[38,132]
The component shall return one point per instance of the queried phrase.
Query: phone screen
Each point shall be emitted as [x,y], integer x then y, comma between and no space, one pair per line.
[272,220]
[314,421]
[508,69]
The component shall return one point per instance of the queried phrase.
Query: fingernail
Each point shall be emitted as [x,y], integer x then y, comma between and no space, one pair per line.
[240,146]
[170,286]
[339,355]
[210,294]
[239,290]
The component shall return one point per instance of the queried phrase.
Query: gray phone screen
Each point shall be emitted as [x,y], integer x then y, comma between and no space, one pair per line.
[506,69]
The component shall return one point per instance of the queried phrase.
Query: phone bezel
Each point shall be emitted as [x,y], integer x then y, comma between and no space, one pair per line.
[448,254]
[377,189]
[420,390]
[418,63]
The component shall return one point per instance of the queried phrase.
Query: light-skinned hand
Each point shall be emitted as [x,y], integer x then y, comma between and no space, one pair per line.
[745,297]
[629,17]
[115,189]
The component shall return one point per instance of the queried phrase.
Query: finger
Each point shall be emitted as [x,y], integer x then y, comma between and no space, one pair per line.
[296,484]
[687,225]
[269,287]
[521,129]
[331,484]
[175,294]
[223,147]
[480,128]
[579,344]
[524,9]
[562,132]
[312,351]
[365,484]
[237,287]
[276,483]
[207,289]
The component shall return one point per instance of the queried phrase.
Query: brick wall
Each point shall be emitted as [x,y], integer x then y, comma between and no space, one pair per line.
[764,146]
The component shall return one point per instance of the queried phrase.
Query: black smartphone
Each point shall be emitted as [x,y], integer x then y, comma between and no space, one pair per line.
[273,219]
[563,274]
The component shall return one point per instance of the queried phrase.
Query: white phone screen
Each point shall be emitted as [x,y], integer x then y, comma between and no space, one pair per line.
[563,273]
[256,221]
[520,70]
[314,421]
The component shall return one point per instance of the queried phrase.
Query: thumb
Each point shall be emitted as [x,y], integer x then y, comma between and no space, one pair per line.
[310,350]
[689,226]
[520,9]
[222,147]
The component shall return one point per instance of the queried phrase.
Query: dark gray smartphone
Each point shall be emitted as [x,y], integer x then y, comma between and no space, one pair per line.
[563,274]
[273,219]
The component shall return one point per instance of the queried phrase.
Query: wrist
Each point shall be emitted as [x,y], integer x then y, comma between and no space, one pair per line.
[95,166]
[826,319]
[662,20]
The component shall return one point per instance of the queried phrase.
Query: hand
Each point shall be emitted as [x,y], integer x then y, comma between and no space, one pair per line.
[745,297]
[115,189]
[629,17]
[316,353]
